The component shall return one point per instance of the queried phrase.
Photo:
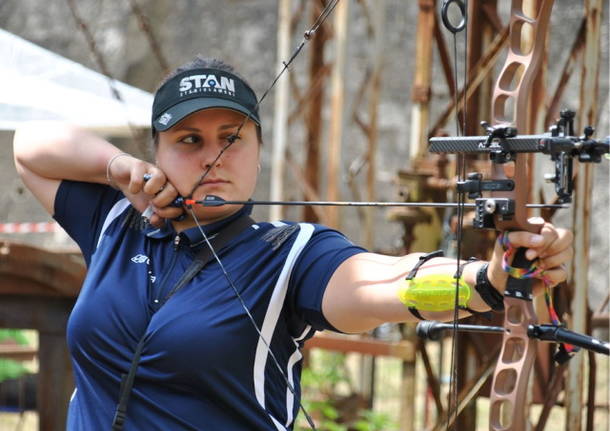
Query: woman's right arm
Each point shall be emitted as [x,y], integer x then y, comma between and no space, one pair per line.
[46,153]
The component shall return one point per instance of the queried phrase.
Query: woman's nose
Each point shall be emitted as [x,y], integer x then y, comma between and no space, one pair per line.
[211,157]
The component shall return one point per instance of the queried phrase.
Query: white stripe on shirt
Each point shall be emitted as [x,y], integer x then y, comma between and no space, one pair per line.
[276,304]
[294,358]
[114,212]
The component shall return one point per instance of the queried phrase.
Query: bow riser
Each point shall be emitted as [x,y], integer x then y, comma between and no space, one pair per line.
[509,390]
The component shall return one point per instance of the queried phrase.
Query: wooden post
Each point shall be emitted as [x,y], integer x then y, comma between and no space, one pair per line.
[336,120]
[280,119]
[374,95]
[408,388]
[589,84]
[314,111]
[420,94]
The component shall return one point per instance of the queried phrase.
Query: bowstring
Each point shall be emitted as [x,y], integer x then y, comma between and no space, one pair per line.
[461,200]
[306,37]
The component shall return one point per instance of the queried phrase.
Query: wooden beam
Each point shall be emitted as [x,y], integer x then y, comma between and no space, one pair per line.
[357,344]
[333,171]
[280,115]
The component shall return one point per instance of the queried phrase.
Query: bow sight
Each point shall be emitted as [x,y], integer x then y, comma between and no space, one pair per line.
[502,143]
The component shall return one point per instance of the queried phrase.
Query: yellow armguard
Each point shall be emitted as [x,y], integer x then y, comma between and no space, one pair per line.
[434,293]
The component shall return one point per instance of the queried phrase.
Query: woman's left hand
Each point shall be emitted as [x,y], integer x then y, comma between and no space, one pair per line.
[551,250]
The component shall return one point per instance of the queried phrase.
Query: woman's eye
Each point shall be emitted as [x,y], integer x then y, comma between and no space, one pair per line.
[231,138]
[190,139]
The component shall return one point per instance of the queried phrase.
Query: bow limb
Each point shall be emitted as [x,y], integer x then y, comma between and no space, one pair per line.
[508,397]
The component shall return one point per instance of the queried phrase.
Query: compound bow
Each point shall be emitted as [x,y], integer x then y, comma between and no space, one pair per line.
[505,209]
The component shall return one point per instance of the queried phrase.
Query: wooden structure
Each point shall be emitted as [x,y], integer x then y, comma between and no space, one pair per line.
[37,291]
[429,178]
[483,53]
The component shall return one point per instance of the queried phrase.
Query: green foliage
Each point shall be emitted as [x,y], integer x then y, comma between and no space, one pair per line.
[320,383]
[10,369]
[14,335]
[373,421]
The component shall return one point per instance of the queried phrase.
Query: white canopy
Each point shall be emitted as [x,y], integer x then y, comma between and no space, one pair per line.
[37,84]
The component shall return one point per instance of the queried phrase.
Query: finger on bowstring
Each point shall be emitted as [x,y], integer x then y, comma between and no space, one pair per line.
[165,196]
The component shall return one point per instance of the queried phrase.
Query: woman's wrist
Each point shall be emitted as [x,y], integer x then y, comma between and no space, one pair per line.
[109,177]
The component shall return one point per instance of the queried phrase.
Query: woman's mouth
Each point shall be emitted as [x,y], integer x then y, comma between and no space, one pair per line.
[213,181]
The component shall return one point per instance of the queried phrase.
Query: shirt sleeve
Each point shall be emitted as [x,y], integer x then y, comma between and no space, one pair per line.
[81,208]
[322,255]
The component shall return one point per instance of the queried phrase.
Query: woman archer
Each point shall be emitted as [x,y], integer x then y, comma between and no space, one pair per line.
[153,349]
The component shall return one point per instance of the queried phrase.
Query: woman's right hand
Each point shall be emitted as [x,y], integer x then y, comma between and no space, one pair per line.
[128,172]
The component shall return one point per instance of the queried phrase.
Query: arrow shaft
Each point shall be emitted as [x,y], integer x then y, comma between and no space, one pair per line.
[357,204]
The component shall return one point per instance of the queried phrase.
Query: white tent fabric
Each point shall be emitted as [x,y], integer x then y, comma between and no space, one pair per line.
[37,84]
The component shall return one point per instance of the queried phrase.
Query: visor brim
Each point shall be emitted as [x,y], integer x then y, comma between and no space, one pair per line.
[182,110]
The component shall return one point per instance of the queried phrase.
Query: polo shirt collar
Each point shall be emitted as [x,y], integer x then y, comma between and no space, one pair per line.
[192,236]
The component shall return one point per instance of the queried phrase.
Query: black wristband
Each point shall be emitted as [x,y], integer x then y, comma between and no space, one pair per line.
[487,292]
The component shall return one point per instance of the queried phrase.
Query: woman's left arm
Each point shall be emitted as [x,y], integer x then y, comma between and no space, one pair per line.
[364,290]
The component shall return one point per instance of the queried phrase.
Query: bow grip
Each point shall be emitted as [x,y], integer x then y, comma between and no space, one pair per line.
[520,288]
[512,373]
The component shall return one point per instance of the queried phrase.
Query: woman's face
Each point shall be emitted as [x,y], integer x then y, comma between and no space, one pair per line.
[186,151]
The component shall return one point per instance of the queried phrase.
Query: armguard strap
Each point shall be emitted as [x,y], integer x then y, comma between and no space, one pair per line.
[422,259]
[416,313]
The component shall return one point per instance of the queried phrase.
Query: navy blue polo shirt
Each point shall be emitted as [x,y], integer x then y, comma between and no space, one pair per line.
[203,366]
